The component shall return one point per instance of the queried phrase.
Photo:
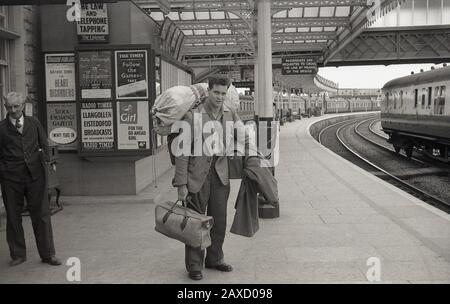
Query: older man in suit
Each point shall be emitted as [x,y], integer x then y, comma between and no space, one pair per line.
[22,176]
[204,178]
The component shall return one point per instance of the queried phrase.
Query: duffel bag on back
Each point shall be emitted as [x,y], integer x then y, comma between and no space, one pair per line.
[173,103]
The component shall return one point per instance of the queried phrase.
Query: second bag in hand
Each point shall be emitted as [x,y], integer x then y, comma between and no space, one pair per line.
[183,224]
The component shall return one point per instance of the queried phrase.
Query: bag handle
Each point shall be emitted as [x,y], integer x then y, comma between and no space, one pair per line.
[169,212]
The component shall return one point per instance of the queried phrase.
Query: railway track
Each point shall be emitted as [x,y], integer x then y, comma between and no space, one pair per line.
[351,140]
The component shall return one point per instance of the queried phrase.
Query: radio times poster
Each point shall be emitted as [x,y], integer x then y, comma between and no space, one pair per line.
[131,74]
[133,125]
[95,74]
[60,77]
[97,128]
[62,125]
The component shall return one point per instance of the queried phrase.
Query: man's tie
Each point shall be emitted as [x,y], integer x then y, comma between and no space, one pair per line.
[18,125]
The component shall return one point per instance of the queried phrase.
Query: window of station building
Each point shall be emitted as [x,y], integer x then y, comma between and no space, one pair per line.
[4,75]
[3,16]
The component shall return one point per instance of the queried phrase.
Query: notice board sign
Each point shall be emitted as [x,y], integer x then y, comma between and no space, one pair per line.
[131,74]
[132,125]
[93,26]
[60,77]
[97,126]
[298,65]
[62,125]
[94,73]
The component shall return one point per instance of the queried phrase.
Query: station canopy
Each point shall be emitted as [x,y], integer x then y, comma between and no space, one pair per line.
[221,28]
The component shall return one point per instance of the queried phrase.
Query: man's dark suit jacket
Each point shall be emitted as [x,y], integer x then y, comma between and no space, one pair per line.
[21,151]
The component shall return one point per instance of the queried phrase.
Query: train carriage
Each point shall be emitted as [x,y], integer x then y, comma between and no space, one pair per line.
[415,113]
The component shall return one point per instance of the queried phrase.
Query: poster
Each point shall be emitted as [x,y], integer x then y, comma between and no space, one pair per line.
[60,77]
[93,25]
[62,125]
[133,125]
[97,128]
[95,74]
[131,74]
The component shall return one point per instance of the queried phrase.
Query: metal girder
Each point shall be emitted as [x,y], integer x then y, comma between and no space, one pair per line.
[358,22]
[314,3]
[231,49]
[277,23]
[304,36]
[275,37]
[211,24]
[206,5]
[397,45]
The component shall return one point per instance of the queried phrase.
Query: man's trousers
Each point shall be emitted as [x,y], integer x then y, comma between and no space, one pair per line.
[212,198]
[35,192]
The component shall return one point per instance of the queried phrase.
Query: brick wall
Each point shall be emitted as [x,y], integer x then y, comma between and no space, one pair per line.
[32,55]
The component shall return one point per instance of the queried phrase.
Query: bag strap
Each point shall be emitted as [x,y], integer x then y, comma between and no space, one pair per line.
[185,219]
[169,212]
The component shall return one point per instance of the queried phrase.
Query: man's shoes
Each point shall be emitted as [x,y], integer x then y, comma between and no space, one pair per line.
[17,261]
[51,261]
[221,267]
[195,275]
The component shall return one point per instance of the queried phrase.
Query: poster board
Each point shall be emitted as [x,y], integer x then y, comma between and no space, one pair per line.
[97,126]
[62,125]
[60,77]
[114,103]
[94,74]
[60,97]
[131,74]
[133,128]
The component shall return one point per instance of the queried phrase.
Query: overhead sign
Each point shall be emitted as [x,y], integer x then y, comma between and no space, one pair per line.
[298,65]
[93,25]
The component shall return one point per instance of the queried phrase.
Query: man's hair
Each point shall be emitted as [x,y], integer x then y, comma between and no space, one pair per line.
[218,80]
[15,96]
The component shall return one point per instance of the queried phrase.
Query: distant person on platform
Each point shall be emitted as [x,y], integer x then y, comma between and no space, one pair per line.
[22,176]
[203,181]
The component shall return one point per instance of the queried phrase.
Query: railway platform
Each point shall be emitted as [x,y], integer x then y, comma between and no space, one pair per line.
[337,224]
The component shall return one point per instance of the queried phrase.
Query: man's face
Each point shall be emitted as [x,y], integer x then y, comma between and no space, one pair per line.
[216,95]
[14,107]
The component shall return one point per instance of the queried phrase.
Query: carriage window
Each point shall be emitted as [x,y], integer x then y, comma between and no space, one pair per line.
[401,99]
[424,91]
[395,100]
[416,95]
[440,102]
[387,100]
[430,91]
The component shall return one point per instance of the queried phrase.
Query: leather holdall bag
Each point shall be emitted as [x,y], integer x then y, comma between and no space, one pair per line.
[183,224]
